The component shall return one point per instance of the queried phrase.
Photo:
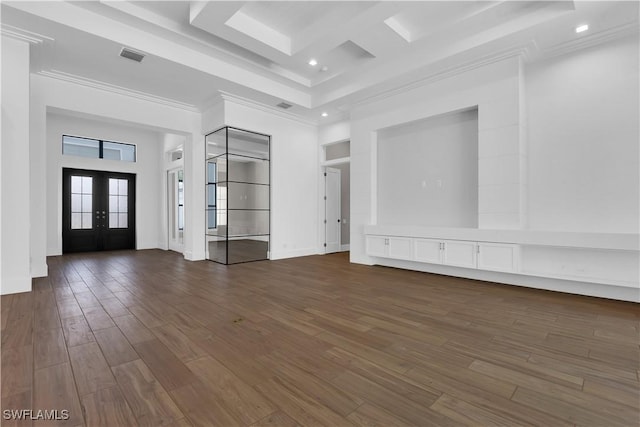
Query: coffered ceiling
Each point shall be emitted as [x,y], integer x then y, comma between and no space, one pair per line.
[261,50]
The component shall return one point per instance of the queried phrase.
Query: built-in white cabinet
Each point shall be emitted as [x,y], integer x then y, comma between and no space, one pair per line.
[428,250]
[607,259]
[400,247]
[457,253]
[390,247]
[499,257]
[377,246]
[450,252]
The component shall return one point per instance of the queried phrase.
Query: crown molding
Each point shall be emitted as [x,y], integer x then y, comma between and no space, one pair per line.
[588,40]
[24,35]
[517,52]
[226,96]
[120,90]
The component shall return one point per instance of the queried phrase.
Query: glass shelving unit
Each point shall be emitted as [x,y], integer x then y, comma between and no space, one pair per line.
[238,196]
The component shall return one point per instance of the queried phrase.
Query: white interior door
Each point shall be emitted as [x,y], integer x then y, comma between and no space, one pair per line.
[332,210]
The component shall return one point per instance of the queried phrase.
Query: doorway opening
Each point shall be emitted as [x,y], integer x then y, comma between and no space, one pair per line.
[175,214]
[98,210]
[337,194]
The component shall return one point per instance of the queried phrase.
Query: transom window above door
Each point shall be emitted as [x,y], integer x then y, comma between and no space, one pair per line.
[98,149]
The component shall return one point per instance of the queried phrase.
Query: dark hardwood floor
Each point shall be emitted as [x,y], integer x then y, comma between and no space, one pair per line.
[147,338]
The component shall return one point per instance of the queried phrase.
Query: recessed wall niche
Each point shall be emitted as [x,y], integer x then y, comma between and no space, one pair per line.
[427,171]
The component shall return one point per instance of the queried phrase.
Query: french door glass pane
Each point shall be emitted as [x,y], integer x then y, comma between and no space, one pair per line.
[122,187]
[87,203]
[76,203]
[87,185]
[86,220]
[76,184]
[81,202]
[118,208]
[76,221]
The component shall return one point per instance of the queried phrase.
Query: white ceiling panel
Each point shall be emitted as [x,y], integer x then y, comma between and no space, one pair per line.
[260,50]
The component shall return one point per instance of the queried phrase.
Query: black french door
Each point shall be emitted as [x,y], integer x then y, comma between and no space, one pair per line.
[98,210]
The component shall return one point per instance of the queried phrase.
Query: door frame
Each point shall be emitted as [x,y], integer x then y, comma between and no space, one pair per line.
[327,248]
[99,193]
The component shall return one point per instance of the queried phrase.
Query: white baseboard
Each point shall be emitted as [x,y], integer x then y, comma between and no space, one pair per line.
[293,254]
[144,246]
[345,248]
[194,256]
[567,286]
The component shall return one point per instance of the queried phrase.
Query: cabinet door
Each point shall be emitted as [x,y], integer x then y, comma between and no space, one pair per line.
[427,250]
[400,248]
[498,257]
[460,253]
[376,246]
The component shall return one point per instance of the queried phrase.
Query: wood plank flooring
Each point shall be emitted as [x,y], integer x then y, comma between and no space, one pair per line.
[146,338]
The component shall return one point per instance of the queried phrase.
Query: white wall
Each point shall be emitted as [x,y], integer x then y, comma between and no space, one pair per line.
[147,168]
[428,172]
[583,140]
[495,90]
[15,267]
[295,175]
[558,148]
[53,95]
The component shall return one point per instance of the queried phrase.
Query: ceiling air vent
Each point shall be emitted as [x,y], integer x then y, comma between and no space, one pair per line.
[130,54]
[284,105]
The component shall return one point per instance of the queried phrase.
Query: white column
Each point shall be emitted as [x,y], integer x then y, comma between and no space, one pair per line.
[15,274]
[194,203]
[38,152]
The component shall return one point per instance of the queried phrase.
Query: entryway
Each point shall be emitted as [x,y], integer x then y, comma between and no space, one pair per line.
[336,171]
[332,197]
[98,210]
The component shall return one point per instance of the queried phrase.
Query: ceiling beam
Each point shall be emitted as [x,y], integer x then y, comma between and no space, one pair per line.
[91,22]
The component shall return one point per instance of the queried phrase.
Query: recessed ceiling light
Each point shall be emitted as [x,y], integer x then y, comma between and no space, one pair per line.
[324,68]
[313,62]
[582,28]
[324,114]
